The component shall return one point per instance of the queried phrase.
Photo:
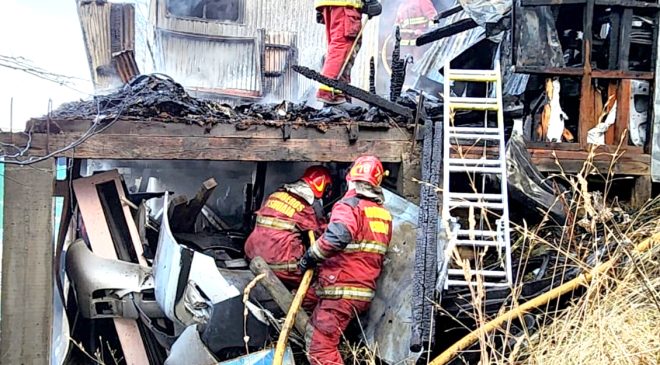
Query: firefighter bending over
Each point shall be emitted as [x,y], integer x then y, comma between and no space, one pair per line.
[350,256]
[284,220]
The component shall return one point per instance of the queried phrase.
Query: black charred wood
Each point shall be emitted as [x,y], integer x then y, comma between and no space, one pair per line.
[398,68]
[426,259]
[444,32]
[372,76]
[356,92]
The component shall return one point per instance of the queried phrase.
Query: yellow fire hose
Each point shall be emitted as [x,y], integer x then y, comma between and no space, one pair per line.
[583,279]
[293,310]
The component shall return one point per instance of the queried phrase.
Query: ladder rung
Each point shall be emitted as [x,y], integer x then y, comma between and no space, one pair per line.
[466,283]
[483,170]
[484,205]
[468,103]
[476,233]
[475,75]
[484,273]
[475,162]
[474,196]
[479,243]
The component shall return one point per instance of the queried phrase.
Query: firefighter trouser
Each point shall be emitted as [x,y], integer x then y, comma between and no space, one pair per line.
[342,26]
[324,331]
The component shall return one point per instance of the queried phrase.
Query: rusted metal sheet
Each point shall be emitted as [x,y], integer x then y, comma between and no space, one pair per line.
[125,65]
[107,28]
[102,244]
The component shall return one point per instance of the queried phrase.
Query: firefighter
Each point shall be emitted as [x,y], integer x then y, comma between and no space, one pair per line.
[350,256]
[414,18]
[343,25]
[283,221]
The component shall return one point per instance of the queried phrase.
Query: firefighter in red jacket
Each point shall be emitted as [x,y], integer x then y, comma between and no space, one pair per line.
[350,256]
[283,221]
[343,25]
[414,18]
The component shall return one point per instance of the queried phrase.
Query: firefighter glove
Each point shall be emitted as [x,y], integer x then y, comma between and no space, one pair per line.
[307,262]
[319,17]
[372,8]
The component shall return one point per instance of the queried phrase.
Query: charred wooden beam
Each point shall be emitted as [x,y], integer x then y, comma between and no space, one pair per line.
[389,146]
[350,90]
[444,32]
[449,12]
[278,291]
[183,216]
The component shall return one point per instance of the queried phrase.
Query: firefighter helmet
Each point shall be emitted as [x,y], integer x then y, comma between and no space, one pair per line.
[368,169]
[318,178]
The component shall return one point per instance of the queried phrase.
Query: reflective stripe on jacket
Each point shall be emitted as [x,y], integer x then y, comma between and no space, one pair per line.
[352,248]
[281,223]
[413,18]
[352,3]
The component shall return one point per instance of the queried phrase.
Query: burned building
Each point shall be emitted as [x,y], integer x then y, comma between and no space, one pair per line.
[164,172]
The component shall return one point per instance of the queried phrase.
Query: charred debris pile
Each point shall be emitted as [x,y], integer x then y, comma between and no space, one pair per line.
[158,97]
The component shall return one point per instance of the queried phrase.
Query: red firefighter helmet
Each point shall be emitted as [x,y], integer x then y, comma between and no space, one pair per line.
[368,169]
[318,178]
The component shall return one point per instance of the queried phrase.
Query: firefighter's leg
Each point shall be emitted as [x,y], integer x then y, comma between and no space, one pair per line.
[324,332]
[342,27]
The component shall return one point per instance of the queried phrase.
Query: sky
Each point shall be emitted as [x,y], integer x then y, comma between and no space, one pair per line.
[47,32]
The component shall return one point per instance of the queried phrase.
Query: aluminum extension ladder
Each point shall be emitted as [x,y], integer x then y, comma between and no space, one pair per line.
[485,231]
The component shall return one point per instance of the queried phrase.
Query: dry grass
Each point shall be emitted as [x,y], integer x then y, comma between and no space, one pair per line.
[617,321]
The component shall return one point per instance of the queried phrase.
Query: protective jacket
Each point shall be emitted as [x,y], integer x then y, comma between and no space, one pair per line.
[281,224]
[414,17]
[352,248]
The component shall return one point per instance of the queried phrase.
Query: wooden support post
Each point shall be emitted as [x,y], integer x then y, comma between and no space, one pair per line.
[642,191]
[27,264]
[610,136]
[623,113]
[624,39]
[588,115]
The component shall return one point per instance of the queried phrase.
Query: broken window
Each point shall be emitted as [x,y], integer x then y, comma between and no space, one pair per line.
[221,10]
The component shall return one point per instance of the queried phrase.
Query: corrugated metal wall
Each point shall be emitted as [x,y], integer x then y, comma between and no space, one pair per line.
[285,22]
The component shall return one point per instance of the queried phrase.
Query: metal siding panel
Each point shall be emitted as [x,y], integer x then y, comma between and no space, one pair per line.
[293,16]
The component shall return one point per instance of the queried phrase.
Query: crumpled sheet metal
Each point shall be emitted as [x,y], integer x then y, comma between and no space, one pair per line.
[168,268]
[537,42]
[448,48]
[91,274]
[527,184]
[389,323]
[486,11]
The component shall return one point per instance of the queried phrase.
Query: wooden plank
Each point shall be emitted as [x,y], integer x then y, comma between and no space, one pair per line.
[102,245]
[278,291]
[641,192]
[183,216]
[27,264]
[623,113]
[578,71]
[137,147]
[247,129]
[613,49]
[627,162]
